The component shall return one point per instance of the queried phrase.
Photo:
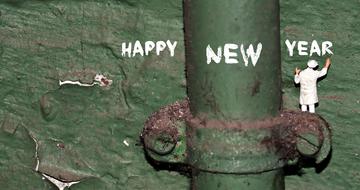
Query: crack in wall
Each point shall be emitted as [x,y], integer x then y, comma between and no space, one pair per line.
[122,91]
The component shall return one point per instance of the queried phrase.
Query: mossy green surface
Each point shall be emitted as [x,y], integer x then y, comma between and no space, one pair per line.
[81,130]
[42,42]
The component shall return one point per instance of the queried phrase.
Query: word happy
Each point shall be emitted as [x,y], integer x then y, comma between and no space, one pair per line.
[132,50]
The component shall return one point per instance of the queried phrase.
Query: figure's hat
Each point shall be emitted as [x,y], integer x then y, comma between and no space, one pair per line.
[312,64]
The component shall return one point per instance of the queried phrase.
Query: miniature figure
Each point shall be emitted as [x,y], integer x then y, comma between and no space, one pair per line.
[308,80]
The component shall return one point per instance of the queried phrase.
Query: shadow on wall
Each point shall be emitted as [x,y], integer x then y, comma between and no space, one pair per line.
[307,163]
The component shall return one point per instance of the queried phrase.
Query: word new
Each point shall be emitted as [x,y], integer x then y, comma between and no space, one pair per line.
[302,48]
[137,49]
[230,54]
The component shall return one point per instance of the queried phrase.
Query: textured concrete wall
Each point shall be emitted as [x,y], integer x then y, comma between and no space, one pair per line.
[79,132]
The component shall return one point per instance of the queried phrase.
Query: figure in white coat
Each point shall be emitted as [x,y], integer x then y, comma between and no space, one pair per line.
[308,79]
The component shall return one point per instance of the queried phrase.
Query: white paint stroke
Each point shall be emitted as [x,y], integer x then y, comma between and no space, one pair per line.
[36,153]
[74,83]
[126,143]
[59,184]
[99,79]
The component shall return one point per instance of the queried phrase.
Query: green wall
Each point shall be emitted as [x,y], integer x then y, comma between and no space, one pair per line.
[339,93]
[79,131]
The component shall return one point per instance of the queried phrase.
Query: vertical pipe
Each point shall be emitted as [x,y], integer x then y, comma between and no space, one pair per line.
[231,92]
[272,180]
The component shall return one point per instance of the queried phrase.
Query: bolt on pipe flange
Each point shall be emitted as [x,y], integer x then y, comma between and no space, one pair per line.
[161,143]
[235,147]
[163,136]
[311,132]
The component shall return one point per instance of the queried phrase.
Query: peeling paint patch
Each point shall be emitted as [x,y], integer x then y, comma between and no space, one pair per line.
[36,153]
[99,79]
[10,124]
[60,184]
[102,80]
[60,145]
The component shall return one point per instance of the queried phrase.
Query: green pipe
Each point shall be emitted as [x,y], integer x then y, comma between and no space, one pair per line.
[232,91]
[264,181]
